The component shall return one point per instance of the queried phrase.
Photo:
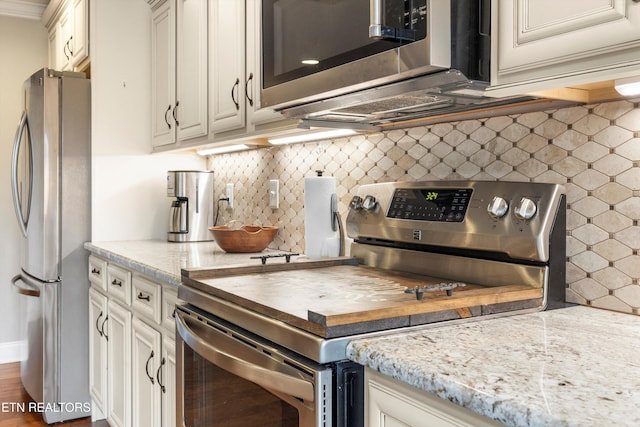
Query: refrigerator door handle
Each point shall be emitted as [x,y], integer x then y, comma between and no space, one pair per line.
[30,289]
[24,124]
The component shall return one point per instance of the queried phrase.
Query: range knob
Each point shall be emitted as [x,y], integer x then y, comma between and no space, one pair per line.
[525,209]
[356,203]
[498,207]
[369,203]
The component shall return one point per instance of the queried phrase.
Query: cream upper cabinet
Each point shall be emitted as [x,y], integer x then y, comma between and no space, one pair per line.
[256,116]
[179,81]
[236,69]
[228,80]
[68,24]
[547,44]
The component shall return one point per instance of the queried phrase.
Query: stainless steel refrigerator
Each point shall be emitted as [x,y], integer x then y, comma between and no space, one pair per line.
[50,180]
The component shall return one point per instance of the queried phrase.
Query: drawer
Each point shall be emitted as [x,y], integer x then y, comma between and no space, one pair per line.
[98,272]
[147,298]
[119,283]
[169,301]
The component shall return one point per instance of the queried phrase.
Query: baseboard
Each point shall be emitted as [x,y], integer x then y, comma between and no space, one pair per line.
[11,352]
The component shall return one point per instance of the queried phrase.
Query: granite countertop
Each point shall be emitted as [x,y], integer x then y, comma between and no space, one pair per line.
[164,260]
[575,366]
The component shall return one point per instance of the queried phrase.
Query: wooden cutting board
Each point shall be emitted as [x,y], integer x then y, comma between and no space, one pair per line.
[342,300]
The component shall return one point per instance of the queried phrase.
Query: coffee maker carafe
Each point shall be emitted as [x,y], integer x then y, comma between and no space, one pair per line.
[191,211]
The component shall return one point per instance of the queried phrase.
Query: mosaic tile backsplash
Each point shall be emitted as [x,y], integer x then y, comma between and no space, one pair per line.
[594,150]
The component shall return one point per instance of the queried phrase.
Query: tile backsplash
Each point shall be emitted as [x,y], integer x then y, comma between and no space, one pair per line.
[594,150]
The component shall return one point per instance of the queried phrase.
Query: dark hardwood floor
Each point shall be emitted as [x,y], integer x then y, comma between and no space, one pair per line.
[13,397]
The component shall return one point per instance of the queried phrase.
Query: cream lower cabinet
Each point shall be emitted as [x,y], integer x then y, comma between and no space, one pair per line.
[390,403]
[132,347]
[547,44]
[146,353]
[119,365]
[98,353]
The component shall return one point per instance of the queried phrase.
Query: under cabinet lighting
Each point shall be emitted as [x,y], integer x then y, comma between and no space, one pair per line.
[226,149]
[629,86]
[306,137]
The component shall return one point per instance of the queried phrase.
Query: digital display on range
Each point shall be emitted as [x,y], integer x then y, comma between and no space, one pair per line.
[434,204]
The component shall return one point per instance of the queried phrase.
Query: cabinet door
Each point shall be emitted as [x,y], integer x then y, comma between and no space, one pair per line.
[390,403]
[163,74]
[53,50]
[98,354]
[192,57]
[80,32]
[256,116]
[146,354]
[227,65]
[64,36]
[119,365]
[579,40]
[167,381]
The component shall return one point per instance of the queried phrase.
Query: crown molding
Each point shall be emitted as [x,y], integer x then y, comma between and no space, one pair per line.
[22,9]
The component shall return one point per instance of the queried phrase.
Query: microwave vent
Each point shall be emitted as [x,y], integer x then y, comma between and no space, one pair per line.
[392,105]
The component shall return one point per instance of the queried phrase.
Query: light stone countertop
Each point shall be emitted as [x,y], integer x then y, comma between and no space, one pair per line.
[163,260]
[575,366]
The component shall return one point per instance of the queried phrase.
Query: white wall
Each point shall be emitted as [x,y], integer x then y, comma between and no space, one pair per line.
[129,193]
[23,49]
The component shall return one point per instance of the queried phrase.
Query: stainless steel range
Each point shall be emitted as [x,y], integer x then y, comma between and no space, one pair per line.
[423,253]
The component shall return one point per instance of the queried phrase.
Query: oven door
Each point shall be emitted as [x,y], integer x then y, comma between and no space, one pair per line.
[229,377]
[313,49]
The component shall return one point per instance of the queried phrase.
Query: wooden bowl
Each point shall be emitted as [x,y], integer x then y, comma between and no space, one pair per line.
[249,238]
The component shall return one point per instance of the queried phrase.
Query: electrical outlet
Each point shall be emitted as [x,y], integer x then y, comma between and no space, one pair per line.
[274,193]
[230,195]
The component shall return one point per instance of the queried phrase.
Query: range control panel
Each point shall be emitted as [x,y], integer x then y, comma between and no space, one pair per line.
[432,204]
[505,217]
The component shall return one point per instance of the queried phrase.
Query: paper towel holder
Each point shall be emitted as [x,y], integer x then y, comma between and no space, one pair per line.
[336,222]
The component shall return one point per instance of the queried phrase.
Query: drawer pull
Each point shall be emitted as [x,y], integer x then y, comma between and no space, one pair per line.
[141,296]
[97,321]
[115,282]
[95,271]
[162,387]
[103,332]
[146,368]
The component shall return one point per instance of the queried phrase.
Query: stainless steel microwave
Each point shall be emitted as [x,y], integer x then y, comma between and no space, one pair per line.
[318,53]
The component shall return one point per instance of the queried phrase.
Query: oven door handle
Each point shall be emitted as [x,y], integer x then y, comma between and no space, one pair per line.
[258,371]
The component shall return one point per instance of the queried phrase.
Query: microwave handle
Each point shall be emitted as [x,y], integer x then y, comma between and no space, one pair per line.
[232,360]
[378,31]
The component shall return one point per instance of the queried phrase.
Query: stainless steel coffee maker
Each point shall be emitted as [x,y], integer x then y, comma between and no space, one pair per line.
[191,212]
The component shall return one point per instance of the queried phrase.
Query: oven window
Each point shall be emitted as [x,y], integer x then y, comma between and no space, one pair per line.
[214,397]
[303,37]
